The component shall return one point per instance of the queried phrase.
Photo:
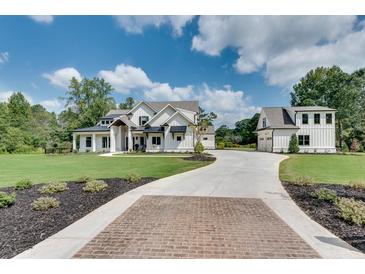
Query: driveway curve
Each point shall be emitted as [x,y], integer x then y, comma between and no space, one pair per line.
[234,174]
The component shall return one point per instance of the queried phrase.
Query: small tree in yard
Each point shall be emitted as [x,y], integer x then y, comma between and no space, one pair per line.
[199,148]
[293,144]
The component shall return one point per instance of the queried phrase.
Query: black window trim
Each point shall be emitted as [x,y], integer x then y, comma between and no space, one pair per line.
[140,120]
[302,140]
[331,117]
[307,118]
[156,140]
[319,119]
[87,141]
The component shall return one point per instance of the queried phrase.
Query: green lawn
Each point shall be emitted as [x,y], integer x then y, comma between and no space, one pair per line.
[46,168]
[338,169]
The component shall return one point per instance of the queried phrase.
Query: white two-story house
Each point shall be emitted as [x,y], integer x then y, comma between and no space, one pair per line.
[314,127]
[149,126]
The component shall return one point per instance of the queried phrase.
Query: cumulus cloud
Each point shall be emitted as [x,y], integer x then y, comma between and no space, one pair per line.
[125,78]
[52,105]
[229,105]
[4,57]
[43,19]
[136,24]
[62,77]
[284,47]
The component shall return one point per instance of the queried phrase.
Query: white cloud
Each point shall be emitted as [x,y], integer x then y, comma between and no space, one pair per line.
[43,19]
[4,57]
[52,105]
[125,77]
[229,105]
[164,92]
[5,95]
[271,43]
[62,77]
[136,24]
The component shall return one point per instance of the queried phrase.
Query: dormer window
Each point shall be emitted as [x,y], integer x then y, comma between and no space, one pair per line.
[263,122]
[328,118]
[305,119]
[143,120]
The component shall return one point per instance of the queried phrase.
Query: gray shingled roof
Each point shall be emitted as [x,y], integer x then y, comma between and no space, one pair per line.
[116,113]
[278,117]
[92,129]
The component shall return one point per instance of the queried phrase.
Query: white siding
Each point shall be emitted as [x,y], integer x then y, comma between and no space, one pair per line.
[322,136]
[186,143]
[162,116]
[190,114]
[281,138]
[98,140]
[142,110]
[155,148]
[210,142]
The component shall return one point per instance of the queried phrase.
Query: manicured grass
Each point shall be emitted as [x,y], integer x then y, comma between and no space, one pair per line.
[46,168]
[338,169]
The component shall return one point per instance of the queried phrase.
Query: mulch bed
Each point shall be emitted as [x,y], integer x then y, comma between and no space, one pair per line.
[200,157]
[21,227]
[326,214]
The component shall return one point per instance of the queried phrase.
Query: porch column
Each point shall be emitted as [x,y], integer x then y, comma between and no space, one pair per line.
[130,141]
[112,139]
[93,142]
[74,136]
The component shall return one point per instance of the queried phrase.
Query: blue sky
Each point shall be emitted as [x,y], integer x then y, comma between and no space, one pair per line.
[233,65]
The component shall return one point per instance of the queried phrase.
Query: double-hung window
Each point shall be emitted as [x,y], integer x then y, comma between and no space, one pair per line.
[317,118]
[264,122]
[305,119]
[156,140]
[303,140]
[328,118]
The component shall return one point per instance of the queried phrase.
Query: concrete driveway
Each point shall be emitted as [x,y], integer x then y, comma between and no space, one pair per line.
[234,174]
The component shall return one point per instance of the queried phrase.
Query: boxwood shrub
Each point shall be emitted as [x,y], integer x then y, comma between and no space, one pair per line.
[351,210]
[53,188]
[6,199]
[23,184]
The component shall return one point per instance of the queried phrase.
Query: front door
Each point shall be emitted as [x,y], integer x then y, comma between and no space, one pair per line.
[141,141]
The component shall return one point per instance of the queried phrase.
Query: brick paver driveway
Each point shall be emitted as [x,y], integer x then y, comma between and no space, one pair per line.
[197,227]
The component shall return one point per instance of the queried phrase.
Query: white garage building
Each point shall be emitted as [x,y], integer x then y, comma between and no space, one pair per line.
[314,127]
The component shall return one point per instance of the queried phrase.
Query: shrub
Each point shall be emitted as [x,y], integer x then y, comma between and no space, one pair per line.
[53,188]
[23,184]
[351,210]
[345,147]
[220,145]
[45,203]
[325,194]
[357,184]
[82,179]
[6,199]
[303,180]
[132,177]
[199,148]
[293,144]
[228,144]
[95,186]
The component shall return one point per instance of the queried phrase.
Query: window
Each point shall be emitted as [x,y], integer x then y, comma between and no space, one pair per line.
[317,118]
[106,142]
[263,122]
[156,140]
[143,120]
[102,122]
[205,138]
[88,141]
[303,140]
[305,119]
[328,118]
[178,138]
